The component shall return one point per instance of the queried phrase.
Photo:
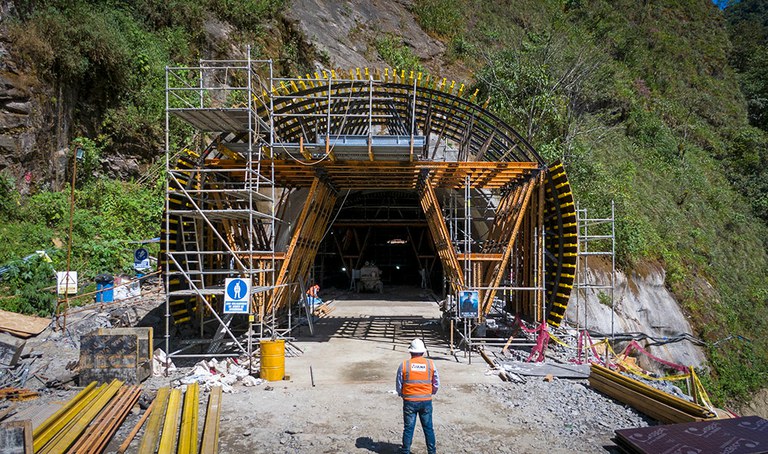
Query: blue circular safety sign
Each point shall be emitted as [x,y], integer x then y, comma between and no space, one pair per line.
[237,289]
[140,255]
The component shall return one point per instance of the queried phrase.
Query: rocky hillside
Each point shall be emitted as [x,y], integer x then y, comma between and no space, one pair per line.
[640,100]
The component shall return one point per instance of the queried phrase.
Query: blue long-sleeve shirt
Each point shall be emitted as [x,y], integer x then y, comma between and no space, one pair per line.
[399,380]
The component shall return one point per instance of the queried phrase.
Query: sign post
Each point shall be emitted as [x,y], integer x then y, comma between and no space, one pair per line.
[237,296]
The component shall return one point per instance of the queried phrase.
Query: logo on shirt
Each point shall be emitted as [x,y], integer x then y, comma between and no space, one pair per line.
[419,367]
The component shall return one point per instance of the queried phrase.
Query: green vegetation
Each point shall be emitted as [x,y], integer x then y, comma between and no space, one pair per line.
[108,214]
[442,18]
[641,104]
[106,60]
[398,55]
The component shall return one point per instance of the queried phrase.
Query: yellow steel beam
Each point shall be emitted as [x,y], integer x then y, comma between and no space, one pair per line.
[210,444]
[45,431]
[188,434]
[61,444]
[151,434]
[171,425]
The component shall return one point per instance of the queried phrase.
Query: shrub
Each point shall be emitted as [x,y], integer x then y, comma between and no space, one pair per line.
[393,51]
[440,17]
[28,283]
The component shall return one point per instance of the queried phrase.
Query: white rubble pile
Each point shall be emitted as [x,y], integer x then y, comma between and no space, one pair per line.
[225,373]
[159,359]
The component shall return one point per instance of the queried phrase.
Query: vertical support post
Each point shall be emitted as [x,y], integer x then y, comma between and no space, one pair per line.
[577,270]
[328,120]
[166,278]
[542,247]
[249,186]
[413,117]
[370,118]
[467,231]
[613,270]
[202,82]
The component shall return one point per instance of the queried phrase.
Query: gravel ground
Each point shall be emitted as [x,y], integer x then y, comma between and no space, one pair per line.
[348,404]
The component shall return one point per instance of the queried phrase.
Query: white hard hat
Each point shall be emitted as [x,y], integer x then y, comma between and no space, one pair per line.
[417,346]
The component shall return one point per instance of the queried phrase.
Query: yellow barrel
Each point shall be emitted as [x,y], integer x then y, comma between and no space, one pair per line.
[272,359]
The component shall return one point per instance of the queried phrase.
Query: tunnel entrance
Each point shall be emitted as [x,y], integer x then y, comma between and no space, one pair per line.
[309,178]
[385,229]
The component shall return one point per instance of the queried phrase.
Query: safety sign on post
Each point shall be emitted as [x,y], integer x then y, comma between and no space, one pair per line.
[66,282]
[237,295]
[469,302]
[141,259]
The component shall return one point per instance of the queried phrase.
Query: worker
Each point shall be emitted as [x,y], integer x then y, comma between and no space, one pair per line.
[312,295]
[417,381]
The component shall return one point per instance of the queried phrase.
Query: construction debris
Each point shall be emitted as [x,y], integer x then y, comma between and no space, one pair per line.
[23,326]
[17,394]
[544,369]
[10,353]
[161,364]
[224,374]
[657,404]
[16,437]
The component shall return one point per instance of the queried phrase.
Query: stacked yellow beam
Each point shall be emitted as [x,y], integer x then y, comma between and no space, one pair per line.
[87,422]
[647,399]
[174,423]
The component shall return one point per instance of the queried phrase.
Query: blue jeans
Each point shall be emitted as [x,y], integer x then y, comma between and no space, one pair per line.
[424,410]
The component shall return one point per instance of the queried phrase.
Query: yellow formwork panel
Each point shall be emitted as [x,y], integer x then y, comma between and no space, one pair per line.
[171,424]
[189,416]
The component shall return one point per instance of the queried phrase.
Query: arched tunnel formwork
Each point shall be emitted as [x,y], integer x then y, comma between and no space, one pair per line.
[290,166]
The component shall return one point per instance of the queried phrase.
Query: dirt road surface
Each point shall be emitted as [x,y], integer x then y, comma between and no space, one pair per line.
[341,393]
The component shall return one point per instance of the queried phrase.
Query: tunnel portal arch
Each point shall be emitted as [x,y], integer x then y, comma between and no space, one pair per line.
[280,163]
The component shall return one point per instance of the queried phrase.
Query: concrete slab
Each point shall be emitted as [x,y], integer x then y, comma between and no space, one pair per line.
[364,340]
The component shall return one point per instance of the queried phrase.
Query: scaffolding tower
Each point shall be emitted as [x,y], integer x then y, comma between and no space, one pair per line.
[596,238]
[472,216]
[219,223]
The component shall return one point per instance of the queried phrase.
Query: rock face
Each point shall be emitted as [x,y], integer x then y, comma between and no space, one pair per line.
[346,31]
[34,127]
[642,304]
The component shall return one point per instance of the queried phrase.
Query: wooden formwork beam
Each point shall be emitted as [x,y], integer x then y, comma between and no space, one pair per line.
[210,444]
[305,241]
[495,271]
[61,442]
[440,235]
[188,434]
[152,432]
[647,399]
[45,431]
[94,440]
[171,424]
